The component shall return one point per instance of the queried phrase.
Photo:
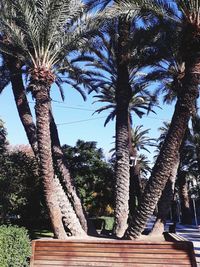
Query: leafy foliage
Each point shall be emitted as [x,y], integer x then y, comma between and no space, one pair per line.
[15,246]
[20,186]
[93,176]
[19,183]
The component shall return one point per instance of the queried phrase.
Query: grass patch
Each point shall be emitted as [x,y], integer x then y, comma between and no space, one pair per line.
[109,222]
[40,233]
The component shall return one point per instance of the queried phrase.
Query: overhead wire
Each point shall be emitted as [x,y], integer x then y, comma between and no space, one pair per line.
[85,109]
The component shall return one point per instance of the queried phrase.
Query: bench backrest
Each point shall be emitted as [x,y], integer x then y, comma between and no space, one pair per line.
[106,253]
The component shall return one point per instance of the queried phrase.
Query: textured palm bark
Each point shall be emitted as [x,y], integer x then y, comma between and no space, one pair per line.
[135,189]
[69,218]
[22,103]
[42,107]
[184,198]
[70,189]
[30,129]
[165,201]
[123,95]
[165,161]
[195,128]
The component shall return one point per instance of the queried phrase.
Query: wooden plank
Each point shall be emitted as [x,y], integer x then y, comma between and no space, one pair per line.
[140,255]
[106,244]
[114,260]
[135,265]
[106,264]
[100,241]
[117,252]
[32,254]
[89,247]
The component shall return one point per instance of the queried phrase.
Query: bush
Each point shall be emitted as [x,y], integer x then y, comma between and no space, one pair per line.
[15,248]
[109,222]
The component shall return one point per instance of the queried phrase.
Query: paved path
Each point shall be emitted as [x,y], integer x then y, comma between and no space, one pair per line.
[190,232]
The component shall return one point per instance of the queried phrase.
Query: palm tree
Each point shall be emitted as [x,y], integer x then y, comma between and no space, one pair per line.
[14,75]
[186,17]
[117,84]
[41,34]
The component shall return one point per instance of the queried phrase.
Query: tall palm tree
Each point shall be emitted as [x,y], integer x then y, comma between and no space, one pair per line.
[14,75]
[189,32]
[117,83]
[41,35]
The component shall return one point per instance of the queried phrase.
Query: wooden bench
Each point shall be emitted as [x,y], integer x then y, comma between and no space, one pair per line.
[107,253]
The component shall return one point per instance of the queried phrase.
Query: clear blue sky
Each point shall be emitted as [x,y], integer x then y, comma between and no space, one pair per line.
[75,120]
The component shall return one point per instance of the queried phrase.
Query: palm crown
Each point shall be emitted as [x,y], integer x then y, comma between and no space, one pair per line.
[42,33]
[101,57]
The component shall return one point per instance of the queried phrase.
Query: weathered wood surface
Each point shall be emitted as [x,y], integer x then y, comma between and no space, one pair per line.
[111,253]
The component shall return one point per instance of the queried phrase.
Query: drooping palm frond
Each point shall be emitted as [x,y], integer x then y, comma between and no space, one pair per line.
[140,138]
[47,30]
[166,62]
[144,164]
[102,58]
[43,34]
[148,7]
[100,4]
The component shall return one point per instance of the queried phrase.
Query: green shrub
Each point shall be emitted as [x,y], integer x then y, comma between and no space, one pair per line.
[109,222]
[15,248]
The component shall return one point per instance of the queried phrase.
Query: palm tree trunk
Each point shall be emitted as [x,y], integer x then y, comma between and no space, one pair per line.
[123,95]
[70,220]
[184,197]
[42,108]
[165,201]
[58,156]
[30,129]
[165,161]
[21,102]
[135,190]
[196,128]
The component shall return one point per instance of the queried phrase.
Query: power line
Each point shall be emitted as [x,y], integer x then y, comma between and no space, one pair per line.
[73,122]
[85,109]
[69,107]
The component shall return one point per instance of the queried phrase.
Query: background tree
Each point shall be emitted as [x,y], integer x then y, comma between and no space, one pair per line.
[21,188]
[93,177]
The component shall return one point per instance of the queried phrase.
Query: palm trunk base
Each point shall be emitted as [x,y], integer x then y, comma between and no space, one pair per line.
[158,228]
[71,222]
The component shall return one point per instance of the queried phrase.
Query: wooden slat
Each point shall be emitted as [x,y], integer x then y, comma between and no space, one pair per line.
[120,260]
[111,252]
[107,264]
[90,265]
[103,245]
[138,255]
